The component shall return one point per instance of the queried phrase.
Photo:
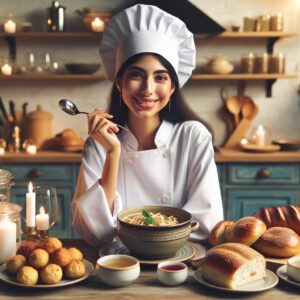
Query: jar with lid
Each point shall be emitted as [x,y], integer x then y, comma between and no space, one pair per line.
[5,185]
[10,230]
[277,63]
[262,63]
[248,63]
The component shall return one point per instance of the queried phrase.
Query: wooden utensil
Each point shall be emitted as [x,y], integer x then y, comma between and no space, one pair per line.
[238,133]
[233,105]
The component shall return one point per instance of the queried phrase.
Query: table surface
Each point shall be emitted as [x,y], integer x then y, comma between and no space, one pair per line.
[146,287]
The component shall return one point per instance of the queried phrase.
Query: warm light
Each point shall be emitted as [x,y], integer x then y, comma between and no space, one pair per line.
[30,187]
[42,210]
[10,26]
[31,149]
[2,151]
[97,25]
[6,69]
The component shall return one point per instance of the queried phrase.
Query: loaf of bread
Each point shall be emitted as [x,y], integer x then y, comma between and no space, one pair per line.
[231,265]
[246,231]
[217,235]
[281,216]
[278,242]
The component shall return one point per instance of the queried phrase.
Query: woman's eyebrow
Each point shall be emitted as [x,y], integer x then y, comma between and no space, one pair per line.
[136,68]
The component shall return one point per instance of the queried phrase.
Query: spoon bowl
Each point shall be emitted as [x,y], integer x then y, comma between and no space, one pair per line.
[233,105]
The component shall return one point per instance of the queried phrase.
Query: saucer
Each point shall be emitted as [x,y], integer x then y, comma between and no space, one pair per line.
[282,274]
[117,247]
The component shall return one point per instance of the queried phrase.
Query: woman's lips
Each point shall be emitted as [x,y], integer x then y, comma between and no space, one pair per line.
[146,103]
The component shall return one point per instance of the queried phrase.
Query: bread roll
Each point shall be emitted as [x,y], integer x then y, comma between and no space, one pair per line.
[246,231]
[231,265]
[281,216]
[278,242]
[217,235]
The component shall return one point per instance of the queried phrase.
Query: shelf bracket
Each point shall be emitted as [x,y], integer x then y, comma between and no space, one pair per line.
[11,41]
[269,84]
[270,44]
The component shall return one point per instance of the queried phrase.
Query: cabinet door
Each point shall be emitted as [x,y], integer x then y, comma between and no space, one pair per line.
[62,227]
[244,202]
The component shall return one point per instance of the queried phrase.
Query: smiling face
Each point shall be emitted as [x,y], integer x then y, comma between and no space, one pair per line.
[146,87]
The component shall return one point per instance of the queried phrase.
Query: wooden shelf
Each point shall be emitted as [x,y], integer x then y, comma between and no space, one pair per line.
[238,35]
[90,77]
[51,34]
[242,76]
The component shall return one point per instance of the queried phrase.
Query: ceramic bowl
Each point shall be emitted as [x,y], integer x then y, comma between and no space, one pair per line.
[293,268]
[172,273]
[288,144]
[82,68]
[155,242]
[117,269]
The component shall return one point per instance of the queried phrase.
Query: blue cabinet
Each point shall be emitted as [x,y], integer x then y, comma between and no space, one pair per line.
[61,176]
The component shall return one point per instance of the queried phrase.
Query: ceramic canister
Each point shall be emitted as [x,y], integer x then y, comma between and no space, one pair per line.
[39,126]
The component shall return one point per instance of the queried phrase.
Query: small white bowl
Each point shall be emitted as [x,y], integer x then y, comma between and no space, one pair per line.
[117,270]
[172,272]
[293,268]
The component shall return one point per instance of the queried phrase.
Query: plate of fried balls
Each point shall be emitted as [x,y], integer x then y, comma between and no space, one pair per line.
[45,265]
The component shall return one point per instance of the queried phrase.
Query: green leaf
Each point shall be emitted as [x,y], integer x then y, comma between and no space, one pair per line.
[149,220]
[145,214]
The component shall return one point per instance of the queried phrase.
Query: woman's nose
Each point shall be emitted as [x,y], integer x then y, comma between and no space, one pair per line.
[148,87]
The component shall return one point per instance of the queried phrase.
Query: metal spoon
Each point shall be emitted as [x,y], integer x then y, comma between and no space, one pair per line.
[70,108]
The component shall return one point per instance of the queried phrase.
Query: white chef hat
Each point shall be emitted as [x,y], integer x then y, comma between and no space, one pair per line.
[146,28]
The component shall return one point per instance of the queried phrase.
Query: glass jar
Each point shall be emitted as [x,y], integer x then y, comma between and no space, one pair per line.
[277,63]
[10,230]
[5,185]
[276,22]
[248,63]
[263,23]
[262,63]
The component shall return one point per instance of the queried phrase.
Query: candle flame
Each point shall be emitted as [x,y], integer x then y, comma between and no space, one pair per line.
[30,187]
[42,210]
[260,129]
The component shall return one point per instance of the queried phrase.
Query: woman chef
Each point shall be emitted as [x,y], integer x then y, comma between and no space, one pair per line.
[166,155]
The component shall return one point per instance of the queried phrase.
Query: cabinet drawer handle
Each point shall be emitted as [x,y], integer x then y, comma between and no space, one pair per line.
[34,173]
[263,174]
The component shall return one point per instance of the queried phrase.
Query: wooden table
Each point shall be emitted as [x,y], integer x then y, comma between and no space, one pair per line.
[146,287]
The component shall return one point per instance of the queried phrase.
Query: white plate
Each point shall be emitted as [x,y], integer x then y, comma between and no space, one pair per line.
[282,273]
[11,279]
[257,286]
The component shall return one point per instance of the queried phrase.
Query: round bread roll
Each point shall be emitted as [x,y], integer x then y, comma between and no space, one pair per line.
[51,274]
[61,257]
[27,275]
[27,247]
[38,259]
[246,231]
[75,253]
[278,242]
[15,263]
[217,235]
[75,269]
[51,244]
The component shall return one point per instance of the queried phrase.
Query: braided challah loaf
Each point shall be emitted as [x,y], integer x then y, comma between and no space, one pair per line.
[280,216]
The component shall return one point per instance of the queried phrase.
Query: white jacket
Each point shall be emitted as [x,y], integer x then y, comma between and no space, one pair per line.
[181,172]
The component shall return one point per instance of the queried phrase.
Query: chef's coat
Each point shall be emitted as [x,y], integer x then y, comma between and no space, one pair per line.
[180,172]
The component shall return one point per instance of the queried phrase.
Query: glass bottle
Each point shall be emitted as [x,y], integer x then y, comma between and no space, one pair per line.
[5,185]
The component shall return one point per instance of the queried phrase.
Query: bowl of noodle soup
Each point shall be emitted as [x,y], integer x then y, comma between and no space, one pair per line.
[155,232]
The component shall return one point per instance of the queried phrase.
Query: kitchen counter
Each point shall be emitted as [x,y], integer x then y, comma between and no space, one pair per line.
[145,287]
[222,156]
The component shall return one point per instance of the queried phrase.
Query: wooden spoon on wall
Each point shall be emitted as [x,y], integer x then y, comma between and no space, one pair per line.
[233,105]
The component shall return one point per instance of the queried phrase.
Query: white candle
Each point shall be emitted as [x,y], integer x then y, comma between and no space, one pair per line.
[42,220]
[6,69]
[30,206]
[2,151]
[31,149]
[8,236]
[260,136]
[97,25]
[10,26]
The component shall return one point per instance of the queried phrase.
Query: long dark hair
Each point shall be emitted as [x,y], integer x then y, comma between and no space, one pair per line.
[178,111]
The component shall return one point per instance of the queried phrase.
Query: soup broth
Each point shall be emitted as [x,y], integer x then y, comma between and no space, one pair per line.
[117,263]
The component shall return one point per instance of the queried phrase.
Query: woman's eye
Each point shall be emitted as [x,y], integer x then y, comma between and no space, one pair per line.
[161,77]
[134,75]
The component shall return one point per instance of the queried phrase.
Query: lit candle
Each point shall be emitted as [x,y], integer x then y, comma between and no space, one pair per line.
[8,236]
[42,220]
[6,69]
[10,26]
[97,25]
[260,136]
[31,149]
[30,206]
[2,151]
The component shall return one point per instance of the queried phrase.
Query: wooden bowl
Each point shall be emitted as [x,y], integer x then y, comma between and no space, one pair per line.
[155,242]
[288,144]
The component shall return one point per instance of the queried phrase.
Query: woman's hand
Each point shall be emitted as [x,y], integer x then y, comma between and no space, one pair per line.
[103,130]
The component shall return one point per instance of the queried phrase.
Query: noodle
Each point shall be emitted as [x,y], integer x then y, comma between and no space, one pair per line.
[158,219]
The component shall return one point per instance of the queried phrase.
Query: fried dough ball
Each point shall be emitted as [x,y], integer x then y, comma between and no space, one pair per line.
[51,244]
[27,275]
[15,263]
[38,258]
[51,274]
[75,269]
[61,257]
[75,253]
[27,247]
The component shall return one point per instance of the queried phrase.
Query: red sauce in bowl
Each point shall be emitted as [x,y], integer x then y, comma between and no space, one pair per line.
[172,268]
